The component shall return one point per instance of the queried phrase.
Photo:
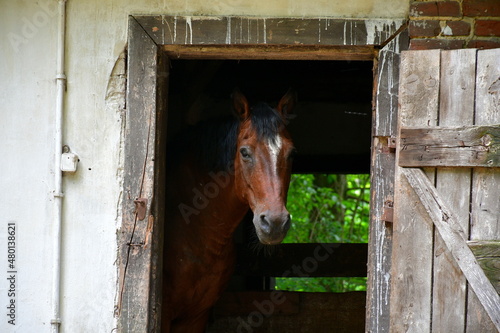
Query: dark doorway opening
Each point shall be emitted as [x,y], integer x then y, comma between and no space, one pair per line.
[332,134]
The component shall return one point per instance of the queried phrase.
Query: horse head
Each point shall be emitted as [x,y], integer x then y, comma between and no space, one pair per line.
[263,163]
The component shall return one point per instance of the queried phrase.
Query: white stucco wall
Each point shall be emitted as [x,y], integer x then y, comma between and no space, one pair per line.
[96,35]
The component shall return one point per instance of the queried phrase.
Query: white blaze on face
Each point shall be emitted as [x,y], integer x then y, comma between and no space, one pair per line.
[274,145]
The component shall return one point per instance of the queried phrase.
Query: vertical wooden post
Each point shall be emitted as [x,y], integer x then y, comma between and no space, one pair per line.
[137,234]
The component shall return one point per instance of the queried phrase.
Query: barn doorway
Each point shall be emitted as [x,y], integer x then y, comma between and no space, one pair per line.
[332,133]
[156,42]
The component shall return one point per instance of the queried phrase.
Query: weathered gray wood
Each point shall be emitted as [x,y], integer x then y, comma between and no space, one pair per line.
[488,255]
[411,288]
[158,205]
[135,236]
[256,30]
[456,108]
[456,240]
[380,239]
[464,146]
[382,190]
[485,204]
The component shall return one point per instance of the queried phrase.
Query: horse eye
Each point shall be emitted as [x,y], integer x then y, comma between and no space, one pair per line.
[292,154]
[245,152]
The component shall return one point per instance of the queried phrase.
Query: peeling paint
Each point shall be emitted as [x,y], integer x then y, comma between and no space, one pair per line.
[228,31]
[189,27]
[265,32]
[446,29]
[175,29]
[319,30]
[374,28]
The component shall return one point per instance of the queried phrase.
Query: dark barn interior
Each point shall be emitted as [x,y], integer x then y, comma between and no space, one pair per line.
[332,133]
[332,128]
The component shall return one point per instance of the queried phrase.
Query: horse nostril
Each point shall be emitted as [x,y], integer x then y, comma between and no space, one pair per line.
[287,223]
[264,224]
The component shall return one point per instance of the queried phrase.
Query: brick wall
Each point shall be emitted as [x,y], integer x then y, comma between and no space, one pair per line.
[455,24]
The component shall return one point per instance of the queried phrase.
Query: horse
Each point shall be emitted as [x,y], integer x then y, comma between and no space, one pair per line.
[218,171]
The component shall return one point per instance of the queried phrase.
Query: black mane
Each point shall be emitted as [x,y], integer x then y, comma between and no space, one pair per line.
[212,143]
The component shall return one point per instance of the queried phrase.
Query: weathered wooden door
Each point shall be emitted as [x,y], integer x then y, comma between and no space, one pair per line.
[447,193]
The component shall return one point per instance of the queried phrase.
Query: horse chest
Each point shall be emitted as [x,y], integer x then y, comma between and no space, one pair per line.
[198,277]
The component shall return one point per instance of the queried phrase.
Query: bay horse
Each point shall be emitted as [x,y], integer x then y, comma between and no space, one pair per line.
[219,170]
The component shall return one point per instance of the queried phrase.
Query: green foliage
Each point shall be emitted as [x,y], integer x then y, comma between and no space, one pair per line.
[327,209]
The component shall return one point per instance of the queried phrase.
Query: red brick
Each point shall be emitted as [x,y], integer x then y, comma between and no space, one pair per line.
[424,28]
[428,44]
[481,7]
[487,28]
[432,28]
[435,8]
[484,44]
[458,28]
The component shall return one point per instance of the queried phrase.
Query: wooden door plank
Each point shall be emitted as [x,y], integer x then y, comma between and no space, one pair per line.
[485,205]
[455,238]
[411,288]
[382,179]
[456,108]
[460,146]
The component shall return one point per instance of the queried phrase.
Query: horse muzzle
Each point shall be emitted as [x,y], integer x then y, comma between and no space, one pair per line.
[272,226]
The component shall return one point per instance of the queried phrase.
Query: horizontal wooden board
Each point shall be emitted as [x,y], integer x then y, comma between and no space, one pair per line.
[488,255]
[305,260]
[271,52]
[467,146]
[299,313]
[259,30]
[243,302]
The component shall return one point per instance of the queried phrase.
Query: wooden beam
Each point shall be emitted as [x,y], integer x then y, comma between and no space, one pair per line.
[488,255]
[259,30]
[291,312]
[243,302]
[270,52]
[466,146]
[455,239]
[305,260]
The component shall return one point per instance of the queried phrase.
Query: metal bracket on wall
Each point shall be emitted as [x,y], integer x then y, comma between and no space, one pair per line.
[140,207]
[388,213]
[387,144]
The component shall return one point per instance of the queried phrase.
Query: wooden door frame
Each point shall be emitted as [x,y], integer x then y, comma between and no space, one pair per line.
[152,40]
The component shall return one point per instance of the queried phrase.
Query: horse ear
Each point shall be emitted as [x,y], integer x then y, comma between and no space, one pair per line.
[287,103]
[240,104]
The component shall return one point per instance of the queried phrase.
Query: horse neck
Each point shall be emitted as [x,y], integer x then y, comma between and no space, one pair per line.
[219,210]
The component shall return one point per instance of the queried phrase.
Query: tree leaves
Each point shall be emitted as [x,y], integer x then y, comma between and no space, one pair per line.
[327,208]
